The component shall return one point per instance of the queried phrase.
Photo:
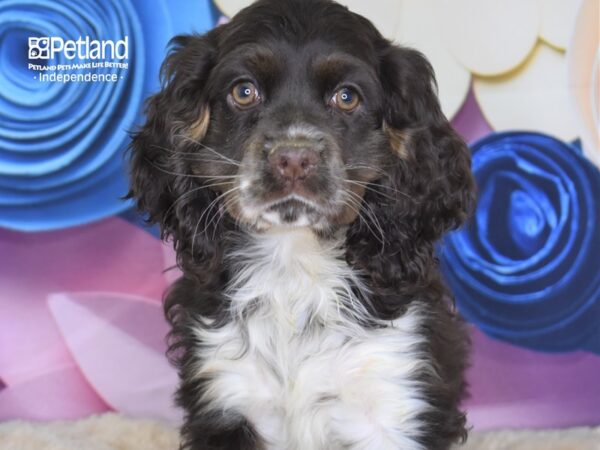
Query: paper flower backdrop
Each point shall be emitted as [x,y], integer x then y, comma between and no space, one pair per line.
[512,387]
[526,268]
[82,329]
[61,144]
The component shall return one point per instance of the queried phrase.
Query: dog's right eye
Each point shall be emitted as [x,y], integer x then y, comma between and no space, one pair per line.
[345,99]
[245,94]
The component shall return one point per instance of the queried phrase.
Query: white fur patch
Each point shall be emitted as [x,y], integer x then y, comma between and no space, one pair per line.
[303,131]
[294,360]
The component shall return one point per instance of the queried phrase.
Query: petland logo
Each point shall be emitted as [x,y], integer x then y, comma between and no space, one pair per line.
[82,48]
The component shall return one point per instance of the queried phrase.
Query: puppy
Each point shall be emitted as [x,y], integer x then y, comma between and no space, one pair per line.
[303,169]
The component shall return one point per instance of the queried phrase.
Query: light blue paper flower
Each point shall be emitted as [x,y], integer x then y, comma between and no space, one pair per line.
[526,269]
[61,144]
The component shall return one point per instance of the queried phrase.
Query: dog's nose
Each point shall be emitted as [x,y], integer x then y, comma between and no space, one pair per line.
[293,163]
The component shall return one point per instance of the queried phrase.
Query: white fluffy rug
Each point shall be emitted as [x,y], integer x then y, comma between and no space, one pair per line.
[115,432]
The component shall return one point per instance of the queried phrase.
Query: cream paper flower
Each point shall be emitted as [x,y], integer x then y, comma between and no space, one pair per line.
[583,57]
[516,52]
[513,50]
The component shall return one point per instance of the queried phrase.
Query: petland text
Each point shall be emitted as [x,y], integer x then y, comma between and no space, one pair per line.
[82,48]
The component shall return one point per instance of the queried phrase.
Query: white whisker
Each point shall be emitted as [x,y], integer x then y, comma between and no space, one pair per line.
[358,203]
[207,211]
[212,150]
[209,177]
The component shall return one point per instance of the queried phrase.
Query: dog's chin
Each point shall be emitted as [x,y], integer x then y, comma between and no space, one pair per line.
[292,212]
[289,212]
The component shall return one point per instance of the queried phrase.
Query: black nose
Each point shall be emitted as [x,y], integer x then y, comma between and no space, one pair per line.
[293,163]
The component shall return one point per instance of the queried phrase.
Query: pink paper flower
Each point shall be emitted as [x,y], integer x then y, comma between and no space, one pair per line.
[511,387]
[79,354]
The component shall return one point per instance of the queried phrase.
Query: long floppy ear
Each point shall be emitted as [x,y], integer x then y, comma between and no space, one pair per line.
[434,165]
[427,188]
[159,175]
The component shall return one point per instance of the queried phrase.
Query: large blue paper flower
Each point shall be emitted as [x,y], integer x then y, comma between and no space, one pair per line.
[61,145]
[526,269]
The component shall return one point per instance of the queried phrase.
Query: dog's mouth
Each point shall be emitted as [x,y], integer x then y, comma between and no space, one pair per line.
[292,210]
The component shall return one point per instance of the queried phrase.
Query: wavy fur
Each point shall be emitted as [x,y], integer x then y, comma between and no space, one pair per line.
[257,308]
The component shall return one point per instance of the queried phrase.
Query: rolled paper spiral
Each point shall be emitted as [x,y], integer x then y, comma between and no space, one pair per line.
[526,268]
[61,144]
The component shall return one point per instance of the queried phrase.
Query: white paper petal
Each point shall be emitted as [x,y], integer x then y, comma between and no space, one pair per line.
[419,28]
[231,7]
[490,37]
[558,21]
[535,97]
[583,59]
[385,14]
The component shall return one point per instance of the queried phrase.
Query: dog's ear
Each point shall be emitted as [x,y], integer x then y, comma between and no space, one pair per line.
[158,176]
[432,166]
[427,188]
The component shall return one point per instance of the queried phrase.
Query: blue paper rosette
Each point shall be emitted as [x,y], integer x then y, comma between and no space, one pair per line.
[62,143]
[526,268]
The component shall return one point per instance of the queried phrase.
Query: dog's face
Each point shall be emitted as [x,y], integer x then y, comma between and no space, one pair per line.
[297,128]
[297,113]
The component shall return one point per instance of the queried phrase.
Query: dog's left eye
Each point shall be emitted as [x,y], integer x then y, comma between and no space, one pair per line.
[245,94]
[346,99]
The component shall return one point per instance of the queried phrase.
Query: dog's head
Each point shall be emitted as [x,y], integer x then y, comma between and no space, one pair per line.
[298,113]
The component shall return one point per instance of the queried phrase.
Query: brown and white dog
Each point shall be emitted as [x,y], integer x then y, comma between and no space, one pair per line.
[303,169]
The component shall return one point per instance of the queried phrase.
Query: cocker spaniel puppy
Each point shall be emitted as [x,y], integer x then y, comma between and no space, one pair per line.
[303,169]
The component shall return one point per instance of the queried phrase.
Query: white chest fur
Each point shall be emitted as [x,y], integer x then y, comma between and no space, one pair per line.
[294,361]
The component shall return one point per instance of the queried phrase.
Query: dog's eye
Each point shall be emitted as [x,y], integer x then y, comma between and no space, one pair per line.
[245,94]
[346,99]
